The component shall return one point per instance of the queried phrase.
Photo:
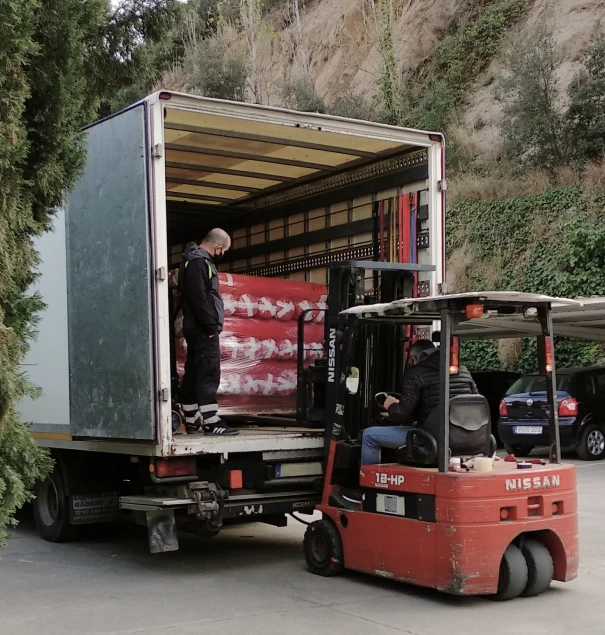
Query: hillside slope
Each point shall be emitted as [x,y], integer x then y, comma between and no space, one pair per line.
[340,44]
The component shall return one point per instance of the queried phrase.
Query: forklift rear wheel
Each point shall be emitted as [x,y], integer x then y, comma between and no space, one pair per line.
[512,580]
[51,510]
[540,567]
[518,450]
[323,548]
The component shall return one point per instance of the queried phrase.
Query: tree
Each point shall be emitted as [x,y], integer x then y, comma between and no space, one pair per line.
[586,114]
[214,69]
[59,61]
[534,123]
[300,94]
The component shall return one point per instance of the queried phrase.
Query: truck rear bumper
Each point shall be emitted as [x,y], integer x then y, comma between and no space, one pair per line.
[159,513]
[249,440]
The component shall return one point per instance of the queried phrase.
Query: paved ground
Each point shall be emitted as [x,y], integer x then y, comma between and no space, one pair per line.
[252,580]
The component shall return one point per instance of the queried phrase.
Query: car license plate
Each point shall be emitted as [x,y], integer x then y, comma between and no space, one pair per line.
[527,429]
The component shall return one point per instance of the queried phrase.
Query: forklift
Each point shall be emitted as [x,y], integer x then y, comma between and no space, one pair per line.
[443,511]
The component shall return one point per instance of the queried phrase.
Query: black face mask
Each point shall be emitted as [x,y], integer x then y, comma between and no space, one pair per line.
[218,258]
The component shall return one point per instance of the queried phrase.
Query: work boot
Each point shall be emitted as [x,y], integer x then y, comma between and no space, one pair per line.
[218,428]
[193,421]
[346,498]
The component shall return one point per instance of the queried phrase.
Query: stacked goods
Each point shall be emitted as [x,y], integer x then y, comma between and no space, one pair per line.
[259,342]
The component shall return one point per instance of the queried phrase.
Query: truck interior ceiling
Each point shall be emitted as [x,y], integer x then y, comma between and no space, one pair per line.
[284,192]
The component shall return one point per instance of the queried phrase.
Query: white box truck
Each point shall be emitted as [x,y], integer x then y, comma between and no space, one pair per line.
[298,192]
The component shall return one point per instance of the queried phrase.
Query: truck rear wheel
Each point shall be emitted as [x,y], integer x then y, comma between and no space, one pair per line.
[51,510]
[513,577]
[323,548]
[540,567]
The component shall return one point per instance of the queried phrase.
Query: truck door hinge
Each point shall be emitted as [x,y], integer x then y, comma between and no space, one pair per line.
[442,185]
[158,151]
[160,274]
[164,394]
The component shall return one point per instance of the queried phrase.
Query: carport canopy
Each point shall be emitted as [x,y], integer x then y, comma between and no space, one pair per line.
[507,314]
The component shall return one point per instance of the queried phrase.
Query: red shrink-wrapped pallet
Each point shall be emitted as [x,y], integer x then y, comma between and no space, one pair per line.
[259,342]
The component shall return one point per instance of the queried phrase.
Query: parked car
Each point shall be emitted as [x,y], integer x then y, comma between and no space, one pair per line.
[493,385]
[523,423]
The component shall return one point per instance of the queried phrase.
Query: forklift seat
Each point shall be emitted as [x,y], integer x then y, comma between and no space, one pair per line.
[470,432]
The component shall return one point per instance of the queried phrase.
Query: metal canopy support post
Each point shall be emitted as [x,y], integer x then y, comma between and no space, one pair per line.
[443,442]
[551,382]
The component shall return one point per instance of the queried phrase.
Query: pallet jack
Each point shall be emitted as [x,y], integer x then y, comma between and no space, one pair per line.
[435,514]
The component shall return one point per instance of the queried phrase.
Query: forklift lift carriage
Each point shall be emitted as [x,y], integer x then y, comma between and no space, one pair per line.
[504,532]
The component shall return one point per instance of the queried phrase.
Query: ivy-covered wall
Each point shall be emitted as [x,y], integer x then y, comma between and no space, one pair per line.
[552,242]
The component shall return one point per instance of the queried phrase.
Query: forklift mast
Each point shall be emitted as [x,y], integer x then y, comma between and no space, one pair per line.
[381,357]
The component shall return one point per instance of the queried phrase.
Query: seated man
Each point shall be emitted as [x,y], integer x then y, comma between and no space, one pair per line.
[419,396]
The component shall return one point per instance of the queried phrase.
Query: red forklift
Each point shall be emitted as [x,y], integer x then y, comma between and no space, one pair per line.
[443,511]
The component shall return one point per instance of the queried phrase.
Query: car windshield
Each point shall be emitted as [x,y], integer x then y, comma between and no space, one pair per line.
[537,383]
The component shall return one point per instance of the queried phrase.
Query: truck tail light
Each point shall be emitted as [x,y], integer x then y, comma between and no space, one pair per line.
[236,479]
[182,466]
[568,408]
[455,356]
[503,409]
[548,355]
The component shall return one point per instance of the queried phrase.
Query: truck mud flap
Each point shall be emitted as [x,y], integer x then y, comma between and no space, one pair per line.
[161,531]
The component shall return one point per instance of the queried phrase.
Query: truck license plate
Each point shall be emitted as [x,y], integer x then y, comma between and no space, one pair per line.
[527,430]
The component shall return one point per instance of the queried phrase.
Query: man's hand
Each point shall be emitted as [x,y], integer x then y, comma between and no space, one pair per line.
[389,401]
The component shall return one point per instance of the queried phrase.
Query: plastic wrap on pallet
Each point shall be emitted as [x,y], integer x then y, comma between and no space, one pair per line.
[270,329]
[259,342]
[269,298]
[262,378]
[257,286]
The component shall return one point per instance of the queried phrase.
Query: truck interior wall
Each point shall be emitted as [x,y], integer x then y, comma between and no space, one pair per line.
[263,248]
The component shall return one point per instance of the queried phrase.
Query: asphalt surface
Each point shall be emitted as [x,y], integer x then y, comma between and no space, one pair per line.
[252,580]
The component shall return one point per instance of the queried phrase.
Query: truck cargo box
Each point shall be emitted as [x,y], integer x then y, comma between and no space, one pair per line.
[297,192]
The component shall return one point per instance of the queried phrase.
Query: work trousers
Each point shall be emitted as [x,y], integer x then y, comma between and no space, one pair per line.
[378,437]
[201,380]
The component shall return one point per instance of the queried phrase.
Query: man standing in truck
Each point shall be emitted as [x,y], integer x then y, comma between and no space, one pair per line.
[203,317]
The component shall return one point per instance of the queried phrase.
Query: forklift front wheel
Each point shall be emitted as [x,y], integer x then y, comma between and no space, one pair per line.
[540,567]
[323,548]
[513,577]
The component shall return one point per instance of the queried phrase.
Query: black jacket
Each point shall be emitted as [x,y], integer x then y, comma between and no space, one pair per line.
[203,310]
[420,390]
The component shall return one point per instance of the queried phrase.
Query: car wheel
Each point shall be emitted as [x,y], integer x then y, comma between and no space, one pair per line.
[323,548]
[591,446]
[518,450]
[513,577]
[51,510]
[540,567]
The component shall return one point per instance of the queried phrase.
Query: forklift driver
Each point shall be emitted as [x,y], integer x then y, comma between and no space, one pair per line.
[419,397]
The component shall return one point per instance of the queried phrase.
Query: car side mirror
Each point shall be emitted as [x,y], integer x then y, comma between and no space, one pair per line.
[352,381]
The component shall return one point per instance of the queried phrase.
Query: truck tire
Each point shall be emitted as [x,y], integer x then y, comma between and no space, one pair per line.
[591,446]
[540,567]
[51,510]
[512,580]
[518,450]
[323,548]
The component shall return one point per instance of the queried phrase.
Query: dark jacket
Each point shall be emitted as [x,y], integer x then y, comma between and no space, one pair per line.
[420,389]
[203,310]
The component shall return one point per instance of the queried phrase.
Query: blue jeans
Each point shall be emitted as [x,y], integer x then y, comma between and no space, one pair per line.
[381,437]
